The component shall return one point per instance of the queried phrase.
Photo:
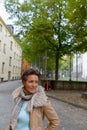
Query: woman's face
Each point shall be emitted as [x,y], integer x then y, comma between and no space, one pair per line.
[31,83]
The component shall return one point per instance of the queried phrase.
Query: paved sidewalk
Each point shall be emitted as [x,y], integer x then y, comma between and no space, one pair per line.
[71,97]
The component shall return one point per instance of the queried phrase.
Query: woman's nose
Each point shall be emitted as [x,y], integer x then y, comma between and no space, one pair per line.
[34,84]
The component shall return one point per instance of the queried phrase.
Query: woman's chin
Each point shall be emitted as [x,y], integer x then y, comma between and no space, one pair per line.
[32,91]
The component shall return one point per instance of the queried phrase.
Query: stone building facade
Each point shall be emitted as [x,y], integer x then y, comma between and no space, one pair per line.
[80,66]
[10,54]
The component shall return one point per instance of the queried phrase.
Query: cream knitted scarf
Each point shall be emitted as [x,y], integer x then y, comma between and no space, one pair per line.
[38,99]
[17,106]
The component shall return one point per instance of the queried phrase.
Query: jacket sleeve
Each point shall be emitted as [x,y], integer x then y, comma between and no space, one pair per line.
[51,115]
[9,128]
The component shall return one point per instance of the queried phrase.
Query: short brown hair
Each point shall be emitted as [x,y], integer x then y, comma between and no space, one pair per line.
[28,72]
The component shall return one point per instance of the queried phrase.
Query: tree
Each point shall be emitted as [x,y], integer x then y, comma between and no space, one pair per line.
[44,28]
[78,22]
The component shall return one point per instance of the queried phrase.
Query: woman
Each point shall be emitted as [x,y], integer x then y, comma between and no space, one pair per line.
[31,105]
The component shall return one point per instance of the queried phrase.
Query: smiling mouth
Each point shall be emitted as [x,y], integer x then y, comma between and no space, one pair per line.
[32,88]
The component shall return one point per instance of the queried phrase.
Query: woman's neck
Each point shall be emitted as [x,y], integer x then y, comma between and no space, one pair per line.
[26,92]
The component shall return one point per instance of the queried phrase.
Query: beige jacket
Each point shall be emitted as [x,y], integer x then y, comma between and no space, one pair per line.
[41,108]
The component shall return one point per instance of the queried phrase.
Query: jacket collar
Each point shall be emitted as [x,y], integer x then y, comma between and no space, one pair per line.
[39,99]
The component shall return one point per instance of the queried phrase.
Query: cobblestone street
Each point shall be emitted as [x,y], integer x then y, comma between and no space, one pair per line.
[71,117]
[6,101]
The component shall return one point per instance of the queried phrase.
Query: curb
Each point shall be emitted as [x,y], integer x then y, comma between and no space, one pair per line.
[73,104]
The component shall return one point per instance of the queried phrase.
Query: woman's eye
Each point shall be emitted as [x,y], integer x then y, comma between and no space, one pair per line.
[30,81]
[36,82]
[33,82]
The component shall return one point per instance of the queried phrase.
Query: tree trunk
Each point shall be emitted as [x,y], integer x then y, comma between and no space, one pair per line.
[59,47]
[70,76]
[57,66]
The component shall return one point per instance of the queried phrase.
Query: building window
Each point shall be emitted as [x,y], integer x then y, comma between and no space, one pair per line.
[10,61]
[6,33]
[14,54]
[3,67]
[0,45]
[11,45]
[4,48]
[0,27]
[13,69]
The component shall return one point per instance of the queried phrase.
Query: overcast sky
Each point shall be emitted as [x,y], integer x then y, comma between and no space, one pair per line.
[4,14]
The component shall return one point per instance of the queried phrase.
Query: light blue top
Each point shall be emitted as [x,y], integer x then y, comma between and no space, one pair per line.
[23,118]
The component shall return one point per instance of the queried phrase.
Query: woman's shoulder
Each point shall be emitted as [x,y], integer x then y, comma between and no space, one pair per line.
[16,92]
